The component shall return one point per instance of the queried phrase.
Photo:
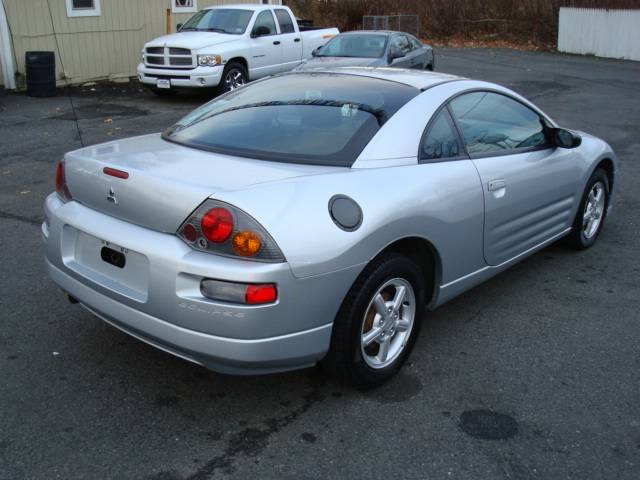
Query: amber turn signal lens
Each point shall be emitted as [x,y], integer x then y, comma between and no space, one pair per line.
[247,243]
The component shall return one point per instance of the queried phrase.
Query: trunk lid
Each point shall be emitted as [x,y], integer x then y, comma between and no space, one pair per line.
[166,181]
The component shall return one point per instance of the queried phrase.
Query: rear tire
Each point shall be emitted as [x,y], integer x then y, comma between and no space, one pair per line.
[234,76]
[591,213]
[378,322]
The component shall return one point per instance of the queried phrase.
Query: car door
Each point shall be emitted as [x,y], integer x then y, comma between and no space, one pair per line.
[291,40]
[419,56]
[529,185]
[266,46]
[400,43]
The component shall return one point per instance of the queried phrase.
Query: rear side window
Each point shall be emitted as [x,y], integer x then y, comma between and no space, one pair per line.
[312,118]
[441,141]
[494,123]
[284,19]
[415,43]
[400,43]
[265,20]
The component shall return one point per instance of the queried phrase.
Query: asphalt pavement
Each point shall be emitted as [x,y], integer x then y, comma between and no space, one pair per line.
[532,375]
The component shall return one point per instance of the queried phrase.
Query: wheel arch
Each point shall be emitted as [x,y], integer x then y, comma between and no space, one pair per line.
[425,255]
[609,167]
[241,60]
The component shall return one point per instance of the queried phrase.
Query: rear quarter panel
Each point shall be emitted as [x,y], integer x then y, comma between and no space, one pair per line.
[440,202]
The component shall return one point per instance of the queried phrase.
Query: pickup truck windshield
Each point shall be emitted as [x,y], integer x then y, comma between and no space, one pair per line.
[354,45]
[223,20]
[312,118]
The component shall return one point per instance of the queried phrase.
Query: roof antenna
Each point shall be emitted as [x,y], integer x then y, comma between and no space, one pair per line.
[64,75]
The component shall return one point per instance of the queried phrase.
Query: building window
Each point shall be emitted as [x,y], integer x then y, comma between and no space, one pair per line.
[83,8]
[184,6]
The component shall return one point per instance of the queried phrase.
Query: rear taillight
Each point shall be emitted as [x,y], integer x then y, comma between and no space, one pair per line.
[240,293]
[217,224]
[217,227]
[257,294]
[61,183]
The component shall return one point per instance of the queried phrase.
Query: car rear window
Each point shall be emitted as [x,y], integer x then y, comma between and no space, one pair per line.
[312,118]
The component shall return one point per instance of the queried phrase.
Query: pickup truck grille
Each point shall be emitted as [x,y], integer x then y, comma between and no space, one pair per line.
[169,57]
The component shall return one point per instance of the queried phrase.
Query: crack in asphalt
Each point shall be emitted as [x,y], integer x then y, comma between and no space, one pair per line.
[21,218]
[250,441]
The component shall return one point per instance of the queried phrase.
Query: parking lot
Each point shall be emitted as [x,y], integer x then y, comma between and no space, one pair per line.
[552,345]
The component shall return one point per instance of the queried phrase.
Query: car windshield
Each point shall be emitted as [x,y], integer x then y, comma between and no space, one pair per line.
[312,118]
[224,20]
[355,45]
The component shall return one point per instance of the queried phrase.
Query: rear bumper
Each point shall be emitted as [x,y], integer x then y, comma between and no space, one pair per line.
[162,305]
[226,355]
[199,77]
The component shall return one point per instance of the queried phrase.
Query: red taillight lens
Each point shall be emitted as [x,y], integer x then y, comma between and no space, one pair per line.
[257,294]
[61,182]
[217,224]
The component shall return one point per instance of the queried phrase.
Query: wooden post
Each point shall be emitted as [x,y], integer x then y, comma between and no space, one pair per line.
[169,23]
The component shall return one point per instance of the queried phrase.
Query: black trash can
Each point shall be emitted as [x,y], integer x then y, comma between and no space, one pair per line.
[41,74]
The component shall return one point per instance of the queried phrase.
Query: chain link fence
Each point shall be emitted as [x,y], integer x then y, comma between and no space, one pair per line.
[400,23]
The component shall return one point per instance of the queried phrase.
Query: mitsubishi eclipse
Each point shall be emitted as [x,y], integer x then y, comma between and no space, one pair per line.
[316,216]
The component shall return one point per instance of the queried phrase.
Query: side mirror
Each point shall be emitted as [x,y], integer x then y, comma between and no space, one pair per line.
[316,52]
[260,31]
[178,27]
[393,54]
[565,139]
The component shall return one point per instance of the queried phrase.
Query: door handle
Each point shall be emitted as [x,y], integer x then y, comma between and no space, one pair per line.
[277,42]
[495,185]
[296,39]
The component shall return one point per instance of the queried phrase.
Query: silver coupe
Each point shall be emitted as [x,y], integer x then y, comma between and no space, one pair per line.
[312,216]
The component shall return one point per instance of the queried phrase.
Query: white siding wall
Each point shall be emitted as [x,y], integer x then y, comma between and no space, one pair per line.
[107,46]
[604,33]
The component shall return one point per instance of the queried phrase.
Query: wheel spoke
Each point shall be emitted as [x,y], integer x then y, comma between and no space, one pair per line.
[380,306]
[398,299]
[402,325]
[384,349]
[371,336]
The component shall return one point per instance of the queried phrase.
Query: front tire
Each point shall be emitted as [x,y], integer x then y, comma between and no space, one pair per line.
[378,322]
[591,211]
[234,76]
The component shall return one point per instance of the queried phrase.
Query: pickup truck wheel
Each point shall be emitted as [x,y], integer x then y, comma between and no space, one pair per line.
[234,76]
[378,323]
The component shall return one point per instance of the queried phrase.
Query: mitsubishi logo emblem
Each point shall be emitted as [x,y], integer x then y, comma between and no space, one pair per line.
[112,196]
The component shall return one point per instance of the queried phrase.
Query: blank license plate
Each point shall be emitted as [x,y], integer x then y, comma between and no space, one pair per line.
[163,83]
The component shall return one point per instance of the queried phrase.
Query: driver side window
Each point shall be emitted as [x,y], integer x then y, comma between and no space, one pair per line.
[265,25]
[494,123]
[401,44]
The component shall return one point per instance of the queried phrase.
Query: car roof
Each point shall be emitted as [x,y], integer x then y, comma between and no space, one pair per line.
[421,79]
[370,32]
[245,6]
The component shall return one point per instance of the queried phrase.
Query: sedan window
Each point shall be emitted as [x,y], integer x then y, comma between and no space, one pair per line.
[441,141]
[401,44]
[415,43]
[491,122]
[355,45]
